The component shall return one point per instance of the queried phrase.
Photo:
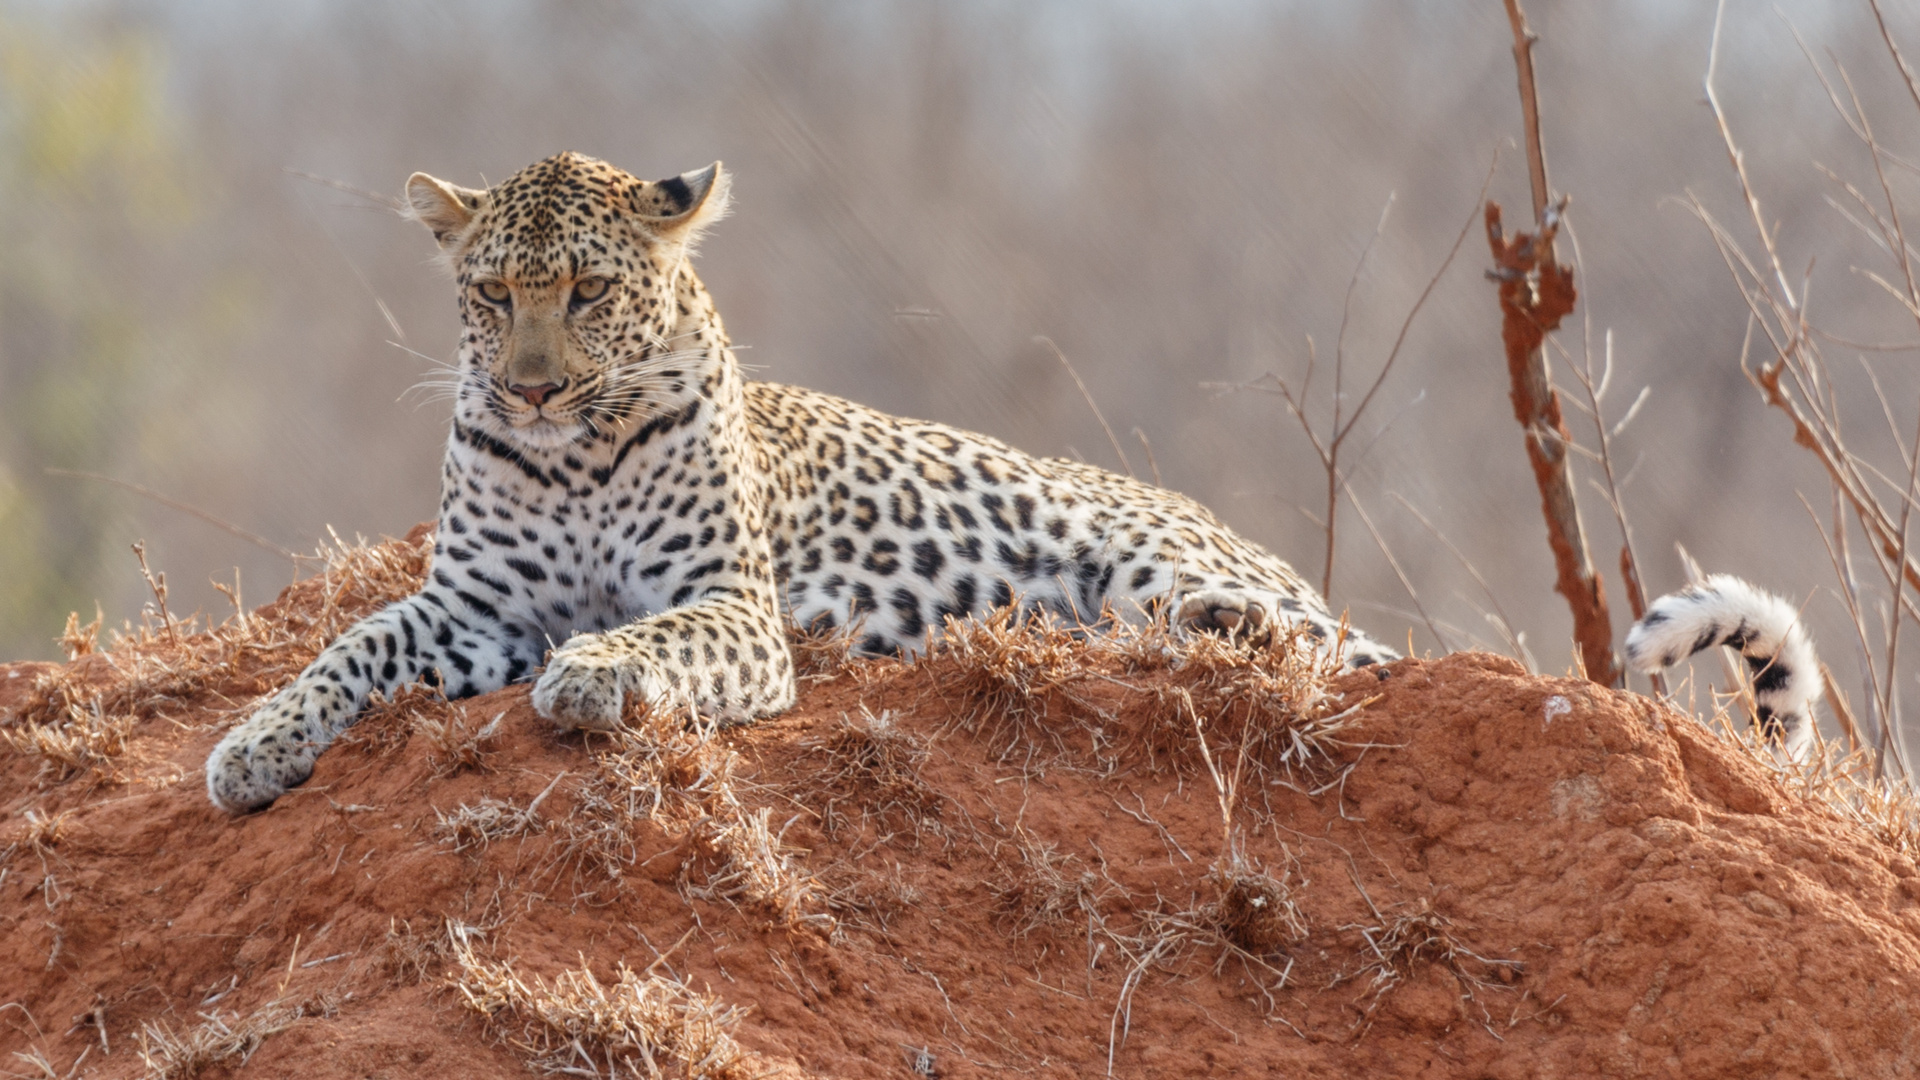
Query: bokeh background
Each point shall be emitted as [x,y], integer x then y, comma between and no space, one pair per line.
[1176,194]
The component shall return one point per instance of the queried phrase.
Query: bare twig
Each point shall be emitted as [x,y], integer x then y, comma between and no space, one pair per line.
[1405,583]
[219,523]
[1152,463]
[157,583]
[1087,396]
[1328,449]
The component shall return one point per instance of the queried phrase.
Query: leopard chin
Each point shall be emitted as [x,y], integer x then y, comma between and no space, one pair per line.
[538,430]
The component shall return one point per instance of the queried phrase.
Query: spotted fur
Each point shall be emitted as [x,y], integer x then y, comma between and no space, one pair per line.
[612,483]
[1762,627]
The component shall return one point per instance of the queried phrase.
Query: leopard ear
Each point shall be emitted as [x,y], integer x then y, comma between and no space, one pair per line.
[681,207]
[445,209]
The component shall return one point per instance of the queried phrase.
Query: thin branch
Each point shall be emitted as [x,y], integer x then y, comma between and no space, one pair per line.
[219,523]
[1499,614]
[1405,583]
[1087,396]
[388,201]
[1152,464]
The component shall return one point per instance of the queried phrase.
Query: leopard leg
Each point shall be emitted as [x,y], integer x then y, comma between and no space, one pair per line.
[726,656]
[276,747]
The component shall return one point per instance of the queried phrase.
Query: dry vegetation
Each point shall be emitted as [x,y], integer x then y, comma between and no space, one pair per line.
[79,717]
[641,1024]
[218,1038]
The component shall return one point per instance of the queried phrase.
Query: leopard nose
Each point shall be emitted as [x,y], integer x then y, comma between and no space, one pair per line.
[535,395]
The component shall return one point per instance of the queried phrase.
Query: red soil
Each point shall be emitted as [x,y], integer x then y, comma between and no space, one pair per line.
[1499,876]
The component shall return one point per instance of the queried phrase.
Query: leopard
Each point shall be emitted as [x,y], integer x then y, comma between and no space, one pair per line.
[629,522]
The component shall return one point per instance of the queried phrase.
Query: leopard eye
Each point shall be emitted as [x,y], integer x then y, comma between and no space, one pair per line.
[589,290]
[496,293]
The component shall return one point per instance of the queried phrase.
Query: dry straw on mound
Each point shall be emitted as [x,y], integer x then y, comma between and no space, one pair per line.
[640,1025]
[79,717]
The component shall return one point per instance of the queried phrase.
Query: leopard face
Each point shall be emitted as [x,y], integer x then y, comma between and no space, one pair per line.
[573,279]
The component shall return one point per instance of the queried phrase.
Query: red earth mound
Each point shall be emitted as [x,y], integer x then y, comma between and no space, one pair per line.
[1009,857]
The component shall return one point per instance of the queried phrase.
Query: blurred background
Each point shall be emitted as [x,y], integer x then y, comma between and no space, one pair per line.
[1177,195]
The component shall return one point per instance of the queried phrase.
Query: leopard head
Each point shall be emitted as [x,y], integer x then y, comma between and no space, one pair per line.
[579,308]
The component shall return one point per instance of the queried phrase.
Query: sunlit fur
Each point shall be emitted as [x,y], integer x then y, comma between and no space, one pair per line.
[1763,628]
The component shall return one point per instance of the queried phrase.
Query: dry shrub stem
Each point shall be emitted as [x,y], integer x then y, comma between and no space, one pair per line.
[1327,446]
[1536,292]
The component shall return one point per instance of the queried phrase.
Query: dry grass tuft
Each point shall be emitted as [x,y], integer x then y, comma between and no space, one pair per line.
[756,866]
[875,764]
[682,780]
[867,897]
[1046,890]
[1255,909]
[79,641]
[640,1025]
[80,718]
[40,835]
[174,1055]
[1423,935]
[822,652]
[1846,783]
[85,741]
[385,725]
[1120,692]
[473,827]
[456,743]
[410,956]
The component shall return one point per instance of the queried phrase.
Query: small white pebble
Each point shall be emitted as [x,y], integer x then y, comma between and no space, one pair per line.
[1556,706]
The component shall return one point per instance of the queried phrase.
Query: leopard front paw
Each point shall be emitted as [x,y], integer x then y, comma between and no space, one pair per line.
[583,686]
[257,762]
[1228,612]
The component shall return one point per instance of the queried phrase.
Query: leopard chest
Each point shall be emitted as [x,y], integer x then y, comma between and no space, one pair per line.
[572,544]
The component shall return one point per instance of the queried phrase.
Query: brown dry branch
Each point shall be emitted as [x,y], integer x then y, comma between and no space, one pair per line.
[1536,292]
[1595,389]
